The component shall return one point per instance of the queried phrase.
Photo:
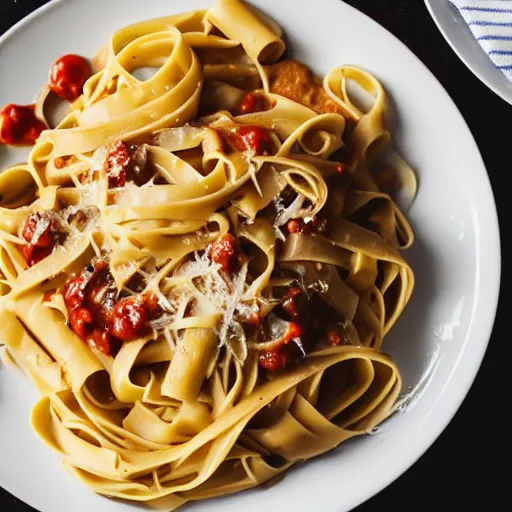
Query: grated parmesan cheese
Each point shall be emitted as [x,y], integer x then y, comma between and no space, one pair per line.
[90,193]
[291,212]
[252,169]
[99,159]
[41,225]
[199,282]
[232,300]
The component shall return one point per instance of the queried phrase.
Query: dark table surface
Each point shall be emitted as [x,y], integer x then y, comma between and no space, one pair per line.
[467,467]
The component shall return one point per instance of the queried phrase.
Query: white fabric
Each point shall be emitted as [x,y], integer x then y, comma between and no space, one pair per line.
[490,22]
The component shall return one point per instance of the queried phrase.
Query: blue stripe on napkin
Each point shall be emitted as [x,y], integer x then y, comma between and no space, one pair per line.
[490,22]
[484,9]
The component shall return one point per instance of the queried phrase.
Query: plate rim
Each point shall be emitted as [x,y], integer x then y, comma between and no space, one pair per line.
[490,84]
[488,205]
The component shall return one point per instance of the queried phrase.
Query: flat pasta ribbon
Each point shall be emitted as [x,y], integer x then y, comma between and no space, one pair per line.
[153,182]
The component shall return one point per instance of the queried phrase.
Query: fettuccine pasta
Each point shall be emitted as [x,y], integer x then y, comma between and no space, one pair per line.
[198,269]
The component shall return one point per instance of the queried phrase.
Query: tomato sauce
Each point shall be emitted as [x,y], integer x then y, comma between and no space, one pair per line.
[310,320]
[253,102]
[280,357]
[273,360]
[247,138]
[315,226]
[47,297]
[224,252]
[74,292]
[42,232]
[81,321]
[290,304]
[334,338]
[255,139]
[294,226]
[127,163]
[129,318]
[19,125]
[68,76]
[98,317]
[116,167]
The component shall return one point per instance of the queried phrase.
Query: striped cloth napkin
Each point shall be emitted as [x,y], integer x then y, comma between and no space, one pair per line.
[491,23]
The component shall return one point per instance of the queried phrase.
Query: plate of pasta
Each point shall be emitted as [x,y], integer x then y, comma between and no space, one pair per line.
[237,242]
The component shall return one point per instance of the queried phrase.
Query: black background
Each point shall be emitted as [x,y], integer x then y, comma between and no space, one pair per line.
[468,467]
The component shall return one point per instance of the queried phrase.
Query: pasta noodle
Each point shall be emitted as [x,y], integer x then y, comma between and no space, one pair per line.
[198,270]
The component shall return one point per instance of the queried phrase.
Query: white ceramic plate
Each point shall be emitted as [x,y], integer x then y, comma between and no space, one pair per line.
[456,257]
[456,31]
